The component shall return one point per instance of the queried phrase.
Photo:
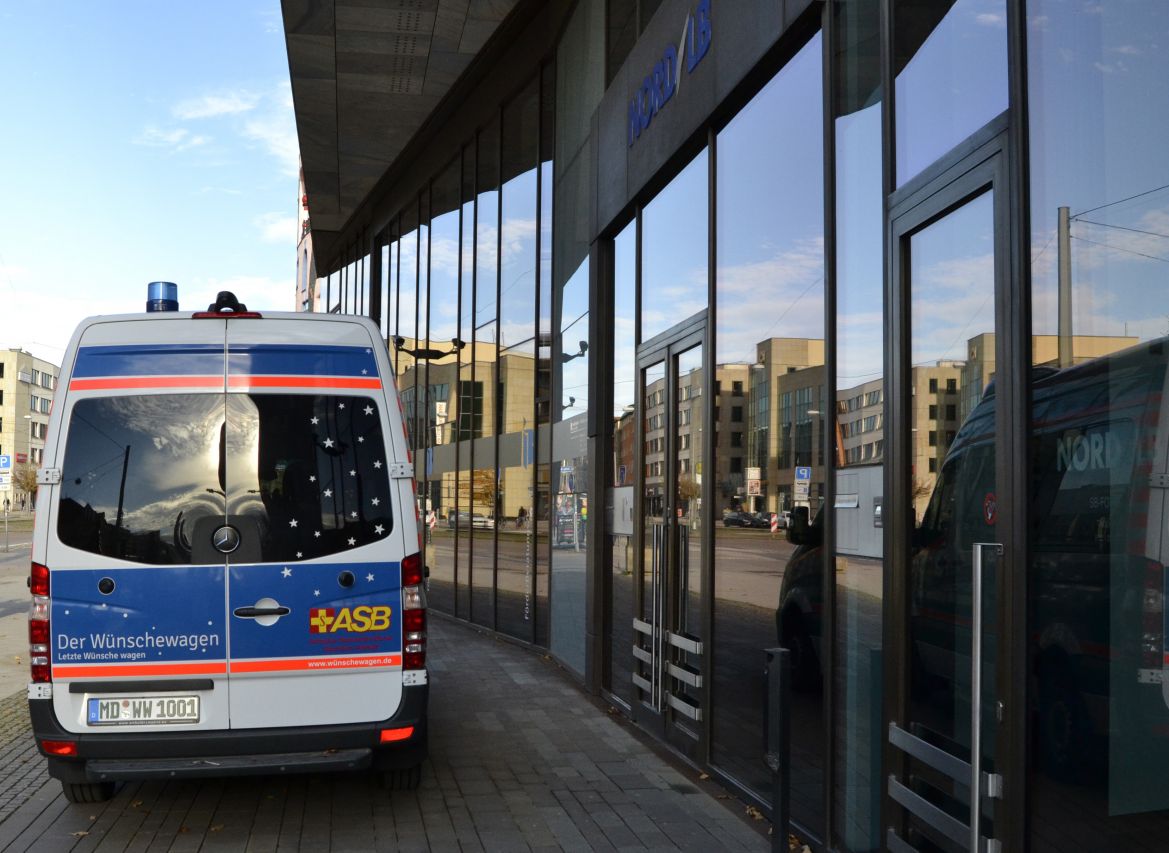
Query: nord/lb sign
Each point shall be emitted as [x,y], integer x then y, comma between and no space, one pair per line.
[665,78]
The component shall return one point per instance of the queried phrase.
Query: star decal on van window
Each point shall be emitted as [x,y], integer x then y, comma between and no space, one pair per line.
[287,572]
[329,480]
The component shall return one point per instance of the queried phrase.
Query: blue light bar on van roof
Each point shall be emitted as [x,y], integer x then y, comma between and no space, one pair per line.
[162,296]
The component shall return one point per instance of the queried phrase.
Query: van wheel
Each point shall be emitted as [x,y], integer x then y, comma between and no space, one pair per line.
[87,792]
[403,778]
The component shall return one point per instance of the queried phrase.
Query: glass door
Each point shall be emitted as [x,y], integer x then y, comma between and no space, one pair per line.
[950,452]
[667,621]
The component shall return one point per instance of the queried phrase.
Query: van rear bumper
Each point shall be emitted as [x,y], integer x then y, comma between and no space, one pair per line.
[119,754]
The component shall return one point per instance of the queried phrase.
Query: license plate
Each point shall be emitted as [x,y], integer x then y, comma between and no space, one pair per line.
[141,710]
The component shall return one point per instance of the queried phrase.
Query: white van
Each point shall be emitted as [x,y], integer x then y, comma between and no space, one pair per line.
[226,575]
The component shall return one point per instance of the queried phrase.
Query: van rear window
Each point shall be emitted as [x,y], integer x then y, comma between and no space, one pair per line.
[148,478]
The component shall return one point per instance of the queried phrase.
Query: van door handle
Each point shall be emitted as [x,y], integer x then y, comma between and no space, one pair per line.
[253,612]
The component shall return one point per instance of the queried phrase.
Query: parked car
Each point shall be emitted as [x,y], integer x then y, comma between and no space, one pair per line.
[738,519]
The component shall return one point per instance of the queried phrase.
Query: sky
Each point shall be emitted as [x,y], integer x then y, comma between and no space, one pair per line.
[141,140]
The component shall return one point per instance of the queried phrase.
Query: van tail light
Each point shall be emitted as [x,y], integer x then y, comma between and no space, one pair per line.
[38,580]
[38,626]
[412,570]
[413,614]
[1152,617]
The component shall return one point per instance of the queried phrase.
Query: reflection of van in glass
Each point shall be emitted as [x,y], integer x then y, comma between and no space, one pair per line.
[1097,519]
[226,577]
[1099,527]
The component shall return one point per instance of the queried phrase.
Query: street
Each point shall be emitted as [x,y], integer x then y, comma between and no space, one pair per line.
[14,601]
[520,759]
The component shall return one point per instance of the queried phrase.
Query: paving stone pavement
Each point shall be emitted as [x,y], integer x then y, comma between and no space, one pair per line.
[520,759]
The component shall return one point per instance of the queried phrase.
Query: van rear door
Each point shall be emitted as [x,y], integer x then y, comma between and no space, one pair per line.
[314,589]
[138,617]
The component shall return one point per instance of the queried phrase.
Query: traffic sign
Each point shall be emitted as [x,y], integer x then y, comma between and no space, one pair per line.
[5,462]
[803,483]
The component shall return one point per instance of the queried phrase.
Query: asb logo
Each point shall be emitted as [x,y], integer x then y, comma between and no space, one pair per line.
[326,620]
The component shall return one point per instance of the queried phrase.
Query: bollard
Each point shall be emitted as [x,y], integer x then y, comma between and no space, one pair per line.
[778,754]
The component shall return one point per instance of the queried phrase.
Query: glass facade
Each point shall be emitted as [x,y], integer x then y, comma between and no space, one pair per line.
[1097,511]
[817,364]
[769,369]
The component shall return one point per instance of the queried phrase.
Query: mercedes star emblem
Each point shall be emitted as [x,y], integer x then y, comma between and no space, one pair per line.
[225,539]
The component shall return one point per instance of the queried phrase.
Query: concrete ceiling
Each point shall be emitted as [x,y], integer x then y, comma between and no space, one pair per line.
[365,76]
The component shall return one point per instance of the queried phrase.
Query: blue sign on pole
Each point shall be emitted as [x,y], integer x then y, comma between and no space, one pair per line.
[5,462]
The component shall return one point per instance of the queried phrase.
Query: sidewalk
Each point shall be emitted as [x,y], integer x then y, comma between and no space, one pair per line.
[521,759]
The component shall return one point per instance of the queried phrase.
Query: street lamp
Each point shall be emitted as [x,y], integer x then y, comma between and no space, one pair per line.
[566,357]
[426,353]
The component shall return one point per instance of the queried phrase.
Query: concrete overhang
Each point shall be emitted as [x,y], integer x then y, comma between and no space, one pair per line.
[366,75]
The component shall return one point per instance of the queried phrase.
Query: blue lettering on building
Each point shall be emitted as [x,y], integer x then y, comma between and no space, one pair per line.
[664,79]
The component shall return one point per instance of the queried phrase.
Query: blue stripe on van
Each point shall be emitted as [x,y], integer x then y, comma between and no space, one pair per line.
[292,360]
[149,360]
[207,360]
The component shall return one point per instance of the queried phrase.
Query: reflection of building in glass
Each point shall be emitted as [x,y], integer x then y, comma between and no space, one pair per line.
[778,401]
[449,405]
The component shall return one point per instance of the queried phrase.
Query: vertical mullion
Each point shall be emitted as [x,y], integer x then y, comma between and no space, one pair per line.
[495,391]
[706,594]
[535,481]
[827,427]
[1013,610]
[458,383]
[474,374]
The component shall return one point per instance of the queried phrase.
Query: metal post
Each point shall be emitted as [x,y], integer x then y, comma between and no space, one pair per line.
[1064,252]
[976,694]
[976,702]
[6,525]
[778,674]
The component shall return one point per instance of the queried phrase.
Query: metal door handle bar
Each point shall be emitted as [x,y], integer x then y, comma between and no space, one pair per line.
[253,612]
[942,761]
[964,773]
[976,692]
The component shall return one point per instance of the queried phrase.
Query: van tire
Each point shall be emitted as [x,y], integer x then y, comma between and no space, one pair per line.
[87,792]
[402,778]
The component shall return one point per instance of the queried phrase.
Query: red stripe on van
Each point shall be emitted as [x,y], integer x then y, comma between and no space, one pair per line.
[114,383]
[137,669]
[303,382]
[308,664]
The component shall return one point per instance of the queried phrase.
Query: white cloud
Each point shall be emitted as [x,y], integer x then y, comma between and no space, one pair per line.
[274,127]
[210,106]
[277,228]
[176,139]
[989,19]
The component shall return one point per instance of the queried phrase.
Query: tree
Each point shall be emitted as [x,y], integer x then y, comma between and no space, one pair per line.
[24,479]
